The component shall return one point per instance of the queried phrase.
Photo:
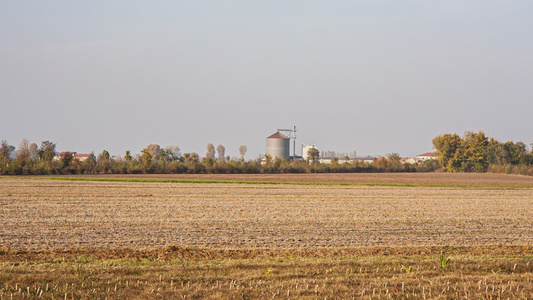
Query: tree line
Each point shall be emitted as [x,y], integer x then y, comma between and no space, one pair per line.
[31,159]
[472,152]
[476,152]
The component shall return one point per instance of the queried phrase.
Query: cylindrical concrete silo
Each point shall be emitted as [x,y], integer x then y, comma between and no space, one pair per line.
[278,145]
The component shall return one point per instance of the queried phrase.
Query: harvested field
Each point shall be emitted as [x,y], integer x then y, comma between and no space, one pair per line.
[369,277]
[42,214]
[364,178]
[160,240]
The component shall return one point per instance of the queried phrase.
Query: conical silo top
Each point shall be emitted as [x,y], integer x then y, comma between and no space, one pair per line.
[278,135]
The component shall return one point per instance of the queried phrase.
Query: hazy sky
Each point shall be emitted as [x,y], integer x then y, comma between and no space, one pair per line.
[371,76]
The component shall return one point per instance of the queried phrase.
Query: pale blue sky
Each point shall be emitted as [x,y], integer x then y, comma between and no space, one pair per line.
[371,76]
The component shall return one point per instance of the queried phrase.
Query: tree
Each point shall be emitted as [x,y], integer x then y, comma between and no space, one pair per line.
[221,152]
[91,159]
[313,155]
[446,145]
[105,155]
[210,151]
[394,159]
[242,151]
[166,155]
[89,164]
[474,148]
[154,150]
[146,158]
[66,159]
[33,151]
[5,153]
[47,151]
[128,156]
[471,153]
[170,153]
[23,151]
[515,151]
[103,165]
[381,163]
[175,150]
[496,153]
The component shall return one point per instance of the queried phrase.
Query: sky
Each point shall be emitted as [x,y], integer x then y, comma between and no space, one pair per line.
[374,77]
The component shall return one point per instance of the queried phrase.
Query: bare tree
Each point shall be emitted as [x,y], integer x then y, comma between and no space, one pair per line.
[33,151]
[221,152]
[210,151]
[153,149]
[242,151]
[175,150]
[23,151]
[170,153]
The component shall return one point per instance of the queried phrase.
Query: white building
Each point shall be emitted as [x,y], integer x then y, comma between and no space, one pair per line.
[426,156]
[305,149]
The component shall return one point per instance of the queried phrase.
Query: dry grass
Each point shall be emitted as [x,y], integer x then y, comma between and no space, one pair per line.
[167,240]
[368,277]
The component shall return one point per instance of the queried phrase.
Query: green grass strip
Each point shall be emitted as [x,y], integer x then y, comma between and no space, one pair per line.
[196,181]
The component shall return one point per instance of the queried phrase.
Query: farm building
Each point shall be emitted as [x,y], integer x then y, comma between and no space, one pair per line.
[305,149]
[79,156]
[426,156]
[278,145]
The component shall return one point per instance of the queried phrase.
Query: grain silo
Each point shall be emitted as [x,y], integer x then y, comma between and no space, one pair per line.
[278,145]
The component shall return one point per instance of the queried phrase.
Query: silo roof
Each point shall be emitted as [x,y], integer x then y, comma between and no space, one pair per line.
[278,135]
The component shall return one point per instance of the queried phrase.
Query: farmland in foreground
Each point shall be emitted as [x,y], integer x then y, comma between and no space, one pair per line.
[160,240]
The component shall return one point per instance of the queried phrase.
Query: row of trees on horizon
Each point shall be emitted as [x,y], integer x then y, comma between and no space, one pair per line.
[476,152]
[473,152]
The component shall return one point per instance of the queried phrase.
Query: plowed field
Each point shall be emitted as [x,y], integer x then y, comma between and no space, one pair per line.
[45,214]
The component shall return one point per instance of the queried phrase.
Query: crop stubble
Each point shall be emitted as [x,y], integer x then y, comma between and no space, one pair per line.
[37,214]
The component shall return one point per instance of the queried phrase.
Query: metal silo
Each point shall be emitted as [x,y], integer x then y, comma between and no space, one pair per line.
[278,145]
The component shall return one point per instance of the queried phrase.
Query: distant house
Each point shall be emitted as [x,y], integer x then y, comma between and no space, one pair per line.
[82,156]
[409,160]
[341,160]
[78,156]
[426,156]
[327,160]
[367,159]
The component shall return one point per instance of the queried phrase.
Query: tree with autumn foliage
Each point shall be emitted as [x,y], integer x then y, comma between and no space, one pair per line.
[446,145]
[466,154]
[475,152]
